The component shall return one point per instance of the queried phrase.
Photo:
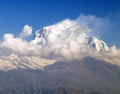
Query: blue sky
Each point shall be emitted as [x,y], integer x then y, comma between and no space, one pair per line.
[14,14]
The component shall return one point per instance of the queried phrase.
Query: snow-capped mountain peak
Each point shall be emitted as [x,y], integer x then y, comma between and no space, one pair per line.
[14,61]
[97,44]
[65,33]
[66,39]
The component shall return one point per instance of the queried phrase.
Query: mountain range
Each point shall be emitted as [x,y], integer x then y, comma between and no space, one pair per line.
[70,64]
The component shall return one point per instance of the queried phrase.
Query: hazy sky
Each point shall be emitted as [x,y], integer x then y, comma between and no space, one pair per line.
[14,14]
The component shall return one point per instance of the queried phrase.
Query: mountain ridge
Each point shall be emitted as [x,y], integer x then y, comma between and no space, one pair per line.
[95,75]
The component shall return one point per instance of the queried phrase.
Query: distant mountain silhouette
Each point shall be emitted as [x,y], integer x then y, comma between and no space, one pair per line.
[87,75]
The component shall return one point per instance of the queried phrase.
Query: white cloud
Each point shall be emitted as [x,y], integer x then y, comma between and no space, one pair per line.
[111,56]
[15,44]
[68,39]
[26,32]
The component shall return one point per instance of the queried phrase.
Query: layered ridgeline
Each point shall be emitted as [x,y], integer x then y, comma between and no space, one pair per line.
[66,55]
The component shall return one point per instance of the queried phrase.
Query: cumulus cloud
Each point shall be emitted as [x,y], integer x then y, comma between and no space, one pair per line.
[26,32]
[15,44]
[68,39]
[19,46]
